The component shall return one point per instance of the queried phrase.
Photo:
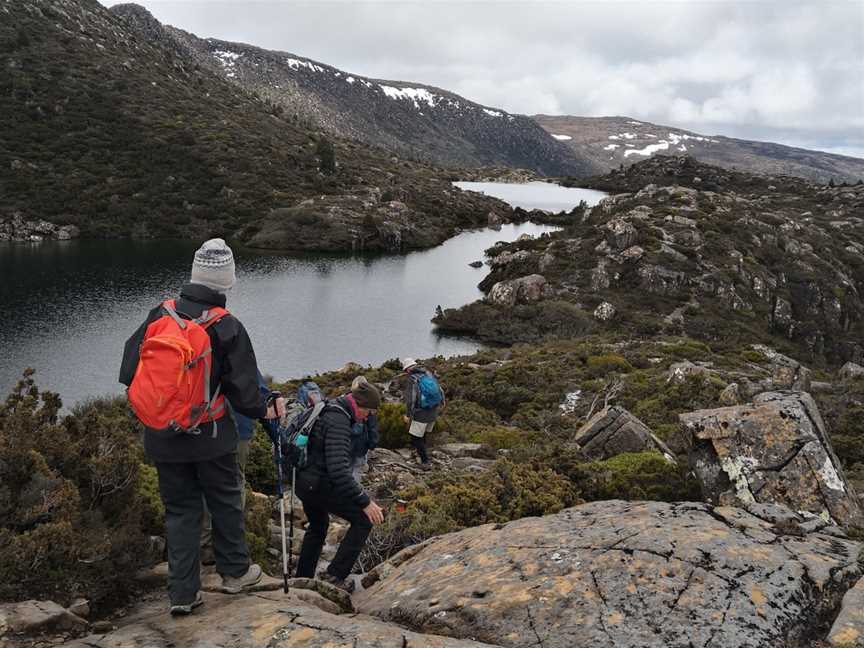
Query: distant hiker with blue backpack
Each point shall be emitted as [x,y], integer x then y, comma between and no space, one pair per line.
[424,400]
[318,448]
[181,366]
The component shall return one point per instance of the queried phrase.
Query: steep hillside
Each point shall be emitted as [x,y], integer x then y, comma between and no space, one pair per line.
[109,128]
[411,119]
[611,141]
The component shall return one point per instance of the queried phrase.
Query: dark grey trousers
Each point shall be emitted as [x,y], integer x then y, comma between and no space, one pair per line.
[181,486]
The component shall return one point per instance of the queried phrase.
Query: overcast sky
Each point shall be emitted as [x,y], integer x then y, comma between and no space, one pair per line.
[787,71]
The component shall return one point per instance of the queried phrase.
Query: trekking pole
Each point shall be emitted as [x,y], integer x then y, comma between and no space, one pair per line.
[282,516]
[290,528]
[276,432]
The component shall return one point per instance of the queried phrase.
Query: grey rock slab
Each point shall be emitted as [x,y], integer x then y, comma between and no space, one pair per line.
[462,449]
[613,431]
[774,450]
[269,619]
[623,574]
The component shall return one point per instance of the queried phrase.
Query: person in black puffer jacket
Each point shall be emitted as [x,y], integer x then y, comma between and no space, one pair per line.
[326,486]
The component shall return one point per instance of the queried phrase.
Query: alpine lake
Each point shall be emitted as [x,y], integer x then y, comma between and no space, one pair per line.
[69,306]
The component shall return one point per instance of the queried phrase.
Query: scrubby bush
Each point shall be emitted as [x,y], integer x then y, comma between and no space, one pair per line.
[509,491]
[75,507]
[462,420]
[392,429]
[636,476]
[599,366]
[260,467]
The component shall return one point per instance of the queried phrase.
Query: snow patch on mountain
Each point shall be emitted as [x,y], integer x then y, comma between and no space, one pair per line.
[611,147]
[495,113]
[412,94]
[296,64]
[563,138]
[674,140]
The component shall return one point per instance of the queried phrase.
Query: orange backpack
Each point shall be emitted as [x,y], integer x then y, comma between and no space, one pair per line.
[170,392]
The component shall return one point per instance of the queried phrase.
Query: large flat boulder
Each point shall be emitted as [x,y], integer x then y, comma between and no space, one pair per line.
[614,430]
[774,450]
[624,574]
[267,619]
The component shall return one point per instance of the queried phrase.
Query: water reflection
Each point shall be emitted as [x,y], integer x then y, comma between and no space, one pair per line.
[69,306]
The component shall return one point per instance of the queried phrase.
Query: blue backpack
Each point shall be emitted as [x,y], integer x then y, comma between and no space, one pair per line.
[429,391]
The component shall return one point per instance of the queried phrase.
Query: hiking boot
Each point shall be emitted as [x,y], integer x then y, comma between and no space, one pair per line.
[345,585]
[231,585]
[186,609]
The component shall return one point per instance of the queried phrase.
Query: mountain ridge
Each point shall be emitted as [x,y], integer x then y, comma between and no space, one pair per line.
[417,120]
[611,141]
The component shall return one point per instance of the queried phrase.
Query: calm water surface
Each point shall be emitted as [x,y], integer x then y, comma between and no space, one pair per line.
[535,195]
[68,307]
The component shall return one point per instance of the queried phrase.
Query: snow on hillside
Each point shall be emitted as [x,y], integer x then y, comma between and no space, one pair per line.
[228,60]
[416,96]
[296,64]
[563,138]
[674,140]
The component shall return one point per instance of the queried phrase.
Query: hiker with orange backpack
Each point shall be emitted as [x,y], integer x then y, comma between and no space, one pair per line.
[183,363]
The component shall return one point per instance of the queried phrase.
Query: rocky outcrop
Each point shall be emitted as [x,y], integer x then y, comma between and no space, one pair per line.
[615,430]
[520,291]
[730,258]
[851,371]
[269,619]
[775,450]
[605,312]
[787,373]
[17,228]
[624,574]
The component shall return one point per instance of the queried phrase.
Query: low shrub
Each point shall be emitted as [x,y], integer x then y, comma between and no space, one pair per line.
[636,476]
[507,492]
[392,429]
[599,366]
[260,468]
[76,506]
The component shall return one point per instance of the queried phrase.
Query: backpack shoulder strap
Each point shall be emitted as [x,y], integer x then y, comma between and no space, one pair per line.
[312,418]
[211,316]
[332,405]
[170,307]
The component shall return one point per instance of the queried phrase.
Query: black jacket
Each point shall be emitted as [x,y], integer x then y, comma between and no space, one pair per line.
[234,368]
[329,472]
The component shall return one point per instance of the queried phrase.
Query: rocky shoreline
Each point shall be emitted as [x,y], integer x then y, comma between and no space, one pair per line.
[17,229]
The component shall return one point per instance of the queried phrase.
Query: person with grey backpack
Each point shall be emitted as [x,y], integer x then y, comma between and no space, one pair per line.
[424,401]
